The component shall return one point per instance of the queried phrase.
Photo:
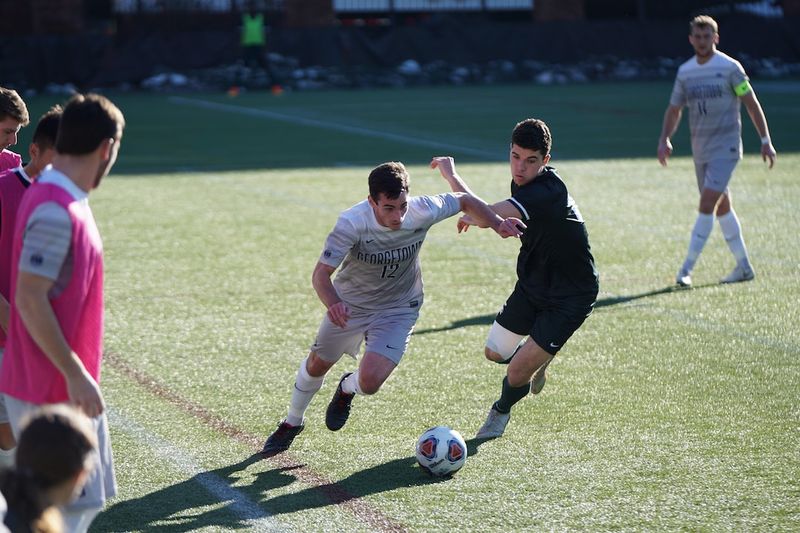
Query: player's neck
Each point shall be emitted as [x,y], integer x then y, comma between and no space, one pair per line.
[703,59]
[81,170]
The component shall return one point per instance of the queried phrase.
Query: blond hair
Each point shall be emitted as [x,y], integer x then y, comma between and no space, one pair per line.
[703,21]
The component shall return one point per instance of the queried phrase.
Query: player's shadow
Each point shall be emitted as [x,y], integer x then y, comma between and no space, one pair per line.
[486,320]
[395,474]
[193,504]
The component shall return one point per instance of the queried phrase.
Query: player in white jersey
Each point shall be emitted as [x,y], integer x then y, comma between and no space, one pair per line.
[712,85]
[377,293]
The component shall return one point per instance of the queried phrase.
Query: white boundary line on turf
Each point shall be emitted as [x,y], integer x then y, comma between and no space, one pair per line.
[356,130]
[253,516]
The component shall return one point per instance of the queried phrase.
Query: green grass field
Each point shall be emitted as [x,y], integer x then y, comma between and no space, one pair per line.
[668,410]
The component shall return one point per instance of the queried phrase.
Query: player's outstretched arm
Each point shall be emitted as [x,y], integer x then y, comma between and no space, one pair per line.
[672,117]
[338,312]
[480,214]
[447,167]
[756,113]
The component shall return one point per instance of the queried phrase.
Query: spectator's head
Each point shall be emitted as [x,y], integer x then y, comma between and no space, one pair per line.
[91,126]
[56,451]
[43,144]
[13,116]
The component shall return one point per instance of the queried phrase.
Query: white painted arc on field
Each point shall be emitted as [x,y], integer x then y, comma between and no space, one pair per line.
[248,511]
[335,126]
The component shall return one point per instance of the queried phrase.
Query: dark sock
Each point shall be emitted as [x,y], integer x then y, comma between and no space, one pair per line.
[510,396]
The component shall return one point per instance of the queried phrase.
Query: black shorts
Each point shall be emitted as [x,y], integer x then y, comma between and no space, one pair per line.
[549,324]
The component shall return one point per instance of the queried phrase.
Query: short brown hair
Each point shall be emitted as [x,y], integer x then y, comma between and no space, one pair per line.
[11,105]
[47,128]
[703,21]
[532,134]
[87,121]
[390,178]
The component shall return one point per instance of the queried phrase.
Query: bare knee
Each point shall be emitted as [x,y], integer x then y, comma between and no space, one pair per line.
[707,207]
[491,355]
[7,441]
[316,366]
[518,377]
[369,384]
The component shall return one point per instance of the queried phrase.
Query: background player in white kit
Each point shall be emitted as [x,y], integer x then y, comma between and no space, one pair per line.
[711,85]
[377,293]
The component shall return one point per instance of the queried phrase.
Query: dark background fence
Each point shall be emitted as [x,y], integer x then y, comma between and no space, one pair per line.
[92,43]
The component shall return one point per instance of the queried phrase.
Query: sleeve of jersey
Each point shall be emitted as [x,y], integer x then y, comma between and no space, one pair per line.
[739,81]
[678,96]
[339,243]
[433,209]
[525,201]
[46,243]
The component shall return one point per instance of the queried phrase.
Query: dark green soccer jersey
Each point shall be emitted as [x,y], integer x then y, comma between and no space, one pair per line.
[555,260]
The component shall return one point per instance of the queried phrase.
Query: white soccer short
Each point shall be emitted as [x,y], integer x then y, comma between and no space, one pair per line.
[386,332]
[715,175]
[102,484]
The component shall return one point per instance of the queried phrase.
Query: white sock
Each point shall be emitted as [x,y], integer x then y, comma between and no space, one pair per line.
[305,387]
[7,458]
[702,229]
[732,231]
[350,384]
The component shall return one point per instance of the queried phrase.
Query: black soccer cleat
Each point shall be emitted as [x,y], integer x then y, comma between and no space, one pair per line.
[281,439]
[339,409]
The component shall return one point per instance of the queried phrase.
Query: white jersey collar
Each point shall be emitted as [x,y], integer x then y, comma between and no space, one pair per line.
[56,177]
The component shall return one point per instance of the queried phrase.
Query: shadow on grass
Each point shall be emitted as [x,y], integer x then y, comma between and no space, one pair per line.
[392,475]
[196,502]
[486,320]
[192,504]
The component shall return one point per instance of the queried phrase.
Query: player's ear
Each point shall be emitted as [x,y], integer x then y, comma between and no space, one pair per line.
[546,159]
[105,148]
[33,150]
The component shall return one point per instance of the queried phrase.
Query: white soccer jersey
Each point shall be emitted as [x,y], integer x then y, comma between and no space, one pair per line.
[710,92]
[379,266]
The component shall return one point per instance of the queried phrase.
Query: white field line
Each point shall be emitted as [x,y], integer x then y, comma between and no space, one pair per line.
[335,126]
[248,511]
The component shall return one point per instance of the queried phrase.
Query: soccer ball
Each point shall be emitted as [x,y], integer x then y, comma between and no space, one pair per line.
[441,451]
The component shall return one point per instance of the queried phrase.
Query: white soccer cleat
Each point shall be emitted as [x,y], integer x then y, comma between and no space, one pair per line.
[738,274]
[683,279]
[494,426]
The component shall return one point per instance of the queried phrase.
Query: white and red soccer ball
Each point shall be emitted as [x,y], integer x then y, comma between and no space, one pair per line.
[441,451]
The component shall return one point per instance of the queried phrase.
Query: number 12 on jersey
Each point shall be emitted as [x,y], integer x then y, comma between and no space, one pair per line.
[389,270]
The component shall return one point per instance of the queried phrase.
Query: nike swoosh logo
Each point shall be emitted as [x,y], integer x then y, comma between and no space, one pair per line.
[369,241]
[554,345]
[392,347]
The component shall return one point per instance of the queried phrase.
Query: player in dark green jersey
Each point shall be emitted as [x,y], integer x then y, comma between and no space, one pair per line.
[557,282]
